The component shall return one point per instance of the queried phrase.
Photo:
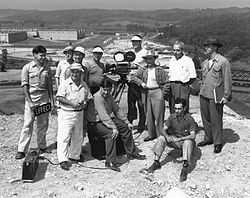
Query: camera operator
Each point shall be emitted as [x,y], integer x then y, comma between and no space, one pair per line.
[134,91]
[95,69]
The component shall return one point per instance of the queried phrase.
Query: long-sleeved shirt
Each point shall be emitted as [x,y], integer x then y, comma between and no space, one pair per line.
[104,109]
[216,75]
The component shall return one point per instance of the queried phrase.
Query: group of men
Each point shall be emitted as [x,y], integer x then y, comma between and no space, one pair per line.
[85,103]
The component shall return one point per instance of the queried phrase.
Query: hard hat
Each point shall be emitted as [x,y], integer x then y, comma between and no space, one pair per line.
[97,49]
[79,49]
[68,48]
[136,38]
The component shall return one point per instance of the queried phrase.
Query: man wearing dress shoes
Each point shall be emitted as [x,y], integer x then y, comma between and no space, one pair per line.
[112,166]
[216,81]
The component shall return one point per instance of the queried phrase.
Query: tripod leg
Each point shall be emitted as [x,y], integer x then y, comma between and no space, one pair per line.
[121,92]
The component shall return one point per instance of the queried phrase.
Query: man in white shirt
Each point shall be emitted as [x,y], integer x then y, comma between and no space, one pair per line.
[134,91]
[181,75]
[64,64]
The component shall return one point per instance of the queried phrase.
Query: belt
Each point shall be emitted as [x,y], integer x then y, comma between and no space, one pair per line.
[179,82]
[74,110]
[153,88]
[94,123]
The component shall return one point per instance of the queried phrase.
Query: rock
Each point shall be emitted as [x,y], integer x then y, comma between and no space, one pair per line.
[2,128]
[51,194]
[210,194]
[193,187]
[208,187]
[228,168]
[176,192]
[79,186]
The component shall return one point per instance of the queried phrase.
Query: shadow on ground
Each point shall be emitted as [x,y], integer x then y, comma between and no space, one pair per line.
[240,108]
[230,136]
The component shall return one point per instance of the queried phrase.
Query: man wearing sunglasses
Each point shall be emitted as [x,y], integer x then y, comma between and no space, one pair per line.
[181,75]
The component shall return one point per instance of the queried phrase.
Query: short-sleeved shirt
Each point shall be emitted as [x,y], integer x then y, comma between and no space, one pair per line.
[180,128]
[69,90]
[36,77]
[95,71]
[182,69]
[61,68]
[104,109]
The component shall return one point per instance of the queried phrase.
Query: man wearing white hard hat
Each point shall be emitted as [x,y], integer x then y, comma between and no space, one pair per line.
[95,69]
[73,95]
[134,91]
[78,56]
[64,64]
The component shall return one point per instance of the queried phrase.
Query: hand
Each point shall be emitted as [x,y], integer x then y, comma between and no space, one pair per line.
[170,139]
[31,105]
[224,101]
[144,85]
[175,139]
[53,110]
[114,134]
[76,105]
[130,126]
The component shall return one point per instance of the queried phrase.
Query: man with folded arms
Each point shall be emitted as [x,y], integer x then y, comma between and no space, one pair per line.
[178,132]
[107,120]
[73,95]
[36,80]
[216,73]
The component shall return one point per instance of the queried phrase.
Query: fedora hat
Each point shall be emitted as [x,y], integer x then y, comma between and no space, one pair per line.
[213,41]
[149,54]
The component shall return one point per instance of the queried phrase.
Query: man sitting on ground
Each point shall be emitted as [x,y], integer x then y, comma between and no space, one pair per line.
[107,120]
[178,132]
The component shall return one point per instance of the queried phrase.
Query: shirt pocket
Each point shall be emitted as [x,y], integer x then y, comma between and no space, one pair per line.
[44,76]
[216,71]
[33,78]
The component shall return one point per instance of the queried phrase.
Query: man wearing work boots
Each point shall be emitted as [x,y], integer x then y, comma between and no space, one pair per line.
[106,119]
[178,132]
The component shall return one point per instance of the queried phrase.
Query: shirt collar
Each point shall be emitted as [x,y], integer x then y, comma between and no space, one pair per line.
[216,58]
[183,118]
[72,82]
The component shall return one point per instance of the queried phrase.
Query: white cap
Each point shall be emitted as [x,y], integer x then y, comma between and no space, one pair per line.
[97,49]
[79,49]
[69,48]
[136,38]
[76,66]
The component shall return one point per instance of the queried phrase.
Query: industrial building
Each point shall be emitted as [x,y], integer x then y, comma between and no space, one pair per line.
[12,37]
[61,34]
[31,32]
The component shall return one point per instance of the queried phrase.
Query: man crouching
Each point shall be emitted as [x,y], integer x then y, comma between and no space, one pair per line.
[178,132]
[73,94]
[106,119]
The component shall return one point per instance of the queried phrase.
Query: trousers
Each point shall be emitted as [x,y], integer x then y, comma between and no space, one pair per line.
[134,96]
[155,104]
[211,115]
[70,135]
[110,144]
[42,122]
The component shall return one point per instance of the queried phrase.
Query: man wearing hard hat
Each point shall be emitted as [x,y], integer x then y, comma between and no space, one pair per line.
[95,69]
[73,94]
[64,64]
[134,91]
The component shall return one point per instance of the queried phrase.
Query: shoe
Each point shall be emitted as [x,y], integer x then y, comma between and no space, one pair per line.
[185,163]
[45,150]
[183,176]
[155,166]
[217,148]
[112,166]
[136,156]
[204,143]
[64,165]
[149,139]
[78,160]
[20,155]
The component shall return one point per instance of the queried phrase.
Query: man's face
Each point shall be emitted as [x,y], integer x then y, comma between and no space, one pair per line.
[179,110]
[76,74]
[40,58]
[150,61]
[209,49]
[136,44]
[177,51]
[69,54]
[77,57]
[97,55]
[105,92]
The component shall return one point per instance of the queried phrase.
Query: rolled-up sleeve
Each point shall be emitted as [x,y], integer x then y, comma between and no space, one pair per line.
[25,75]
[58,70]
[137,77]
[102,112]
[61,92]
[191,69]
[227,79]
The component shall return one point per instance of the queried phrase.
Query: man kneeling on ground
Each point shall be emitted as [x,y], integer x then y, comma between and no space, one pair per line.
[107,120]
[178,132]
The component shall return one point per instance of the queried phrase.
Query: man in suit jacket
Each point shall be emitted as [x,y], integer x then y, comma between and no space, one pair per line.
[153,79]
[216,73]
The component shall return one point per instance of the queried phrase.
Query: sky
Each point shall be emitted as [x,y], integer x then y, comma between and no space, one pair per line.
[120,4]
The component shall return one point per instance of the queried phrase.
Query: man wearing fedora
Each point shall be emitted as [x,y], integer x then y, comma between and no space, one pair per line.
[154,82]
[216,81]
[181,75]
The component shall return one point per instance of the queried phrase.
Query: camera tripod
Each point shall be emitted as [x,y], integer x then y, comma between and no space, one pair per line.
[119,88]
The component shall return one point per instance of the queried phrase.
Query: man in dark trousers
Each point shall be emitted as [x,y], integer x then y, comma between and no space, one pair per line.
[216,74]
[106,119]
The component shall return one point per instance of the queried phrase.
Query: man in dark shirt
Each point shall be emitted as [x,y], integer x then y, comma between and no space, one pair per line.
[178,132]
[106,119]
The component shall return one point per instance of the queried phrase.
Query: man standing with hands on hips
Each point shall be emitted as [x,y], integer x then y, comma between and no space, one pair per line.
[181,75]
[216,75]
